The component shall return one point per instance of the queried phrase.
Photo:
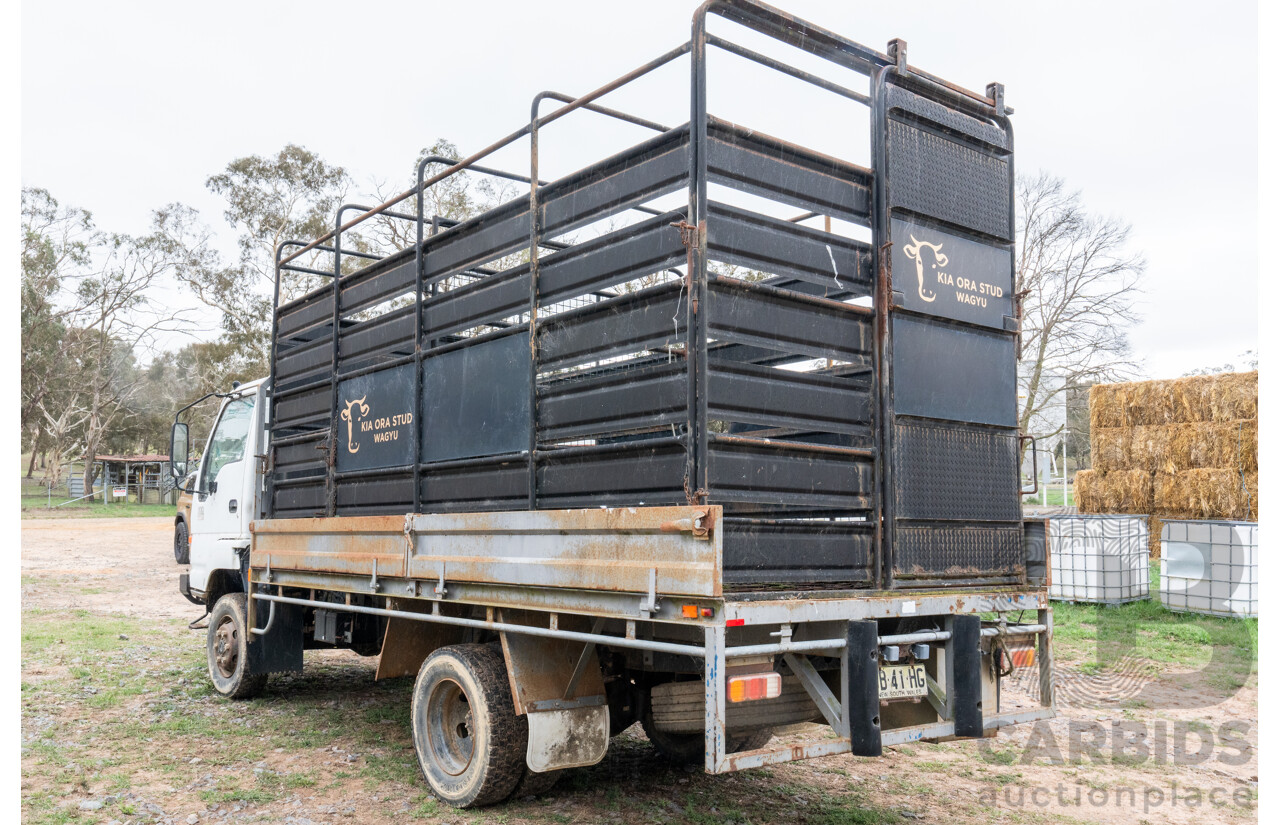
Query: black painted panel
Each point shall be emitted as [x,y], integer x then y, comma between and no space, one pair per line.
[809,550]
[934,175]
[946,371]
[952,471]
[475,400]
[375,420]
[943,274]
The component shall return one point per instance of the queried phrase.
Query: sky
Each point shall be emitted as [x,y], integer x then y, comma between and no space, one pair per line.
[1148,109]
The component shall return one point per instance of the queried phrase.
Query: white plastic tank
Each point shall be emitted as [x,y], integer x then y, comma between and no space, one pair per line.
[1210,567]
[1100,559]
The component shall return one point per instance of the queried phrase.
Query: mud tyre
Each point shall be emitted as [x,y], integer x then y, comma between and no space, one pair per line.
[690,748]
[470,746]
[682,748]
[750,740]
[228,648]
[535,784]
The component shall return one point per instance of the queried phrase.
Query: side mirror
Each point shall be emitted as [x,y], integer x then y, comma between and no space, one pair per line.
[179,449]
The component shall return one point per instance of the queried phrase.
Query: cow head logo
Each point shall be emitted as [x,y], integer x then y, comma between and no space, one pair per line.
[355,411]
[933,258]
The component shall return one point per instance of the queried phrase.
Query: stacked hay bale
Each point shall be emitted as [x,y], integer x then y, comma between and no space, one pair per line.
[1184,449]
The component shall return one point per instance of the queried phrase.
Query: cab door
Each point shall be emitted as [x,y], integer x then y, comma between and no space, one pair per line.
[223,505]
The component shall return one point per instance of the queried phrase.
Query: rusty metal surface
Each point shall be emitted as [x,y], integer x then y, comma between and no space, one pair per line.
[358,545]
[540,668]
[611,549]
[853,608]
[408,643]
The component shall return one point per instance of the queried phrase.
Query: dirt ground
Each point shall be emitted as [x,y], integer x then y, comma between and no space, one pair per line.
[119,725]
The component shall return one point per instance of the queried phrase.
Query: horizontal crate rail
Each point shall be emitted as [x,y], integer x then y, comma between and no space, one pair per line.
[787,250]
[781,171]
[588,268]
[739,156]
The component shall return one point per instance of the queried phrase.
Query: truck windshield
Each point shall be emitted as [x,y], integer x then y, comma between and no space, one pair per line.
[229,437]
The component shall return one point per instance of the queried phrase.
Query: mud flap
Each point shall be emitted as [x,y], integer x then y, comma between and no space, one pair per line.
[558,685]
[279,650]
[570,738]
[964,659]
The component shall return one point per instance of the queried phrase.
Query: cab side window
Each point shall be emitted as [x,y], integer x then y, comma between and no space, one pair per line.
[229,439]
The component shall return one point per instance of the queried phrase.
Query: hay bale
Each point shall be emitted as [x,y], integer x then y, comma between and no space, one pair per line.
[1110,448]
[1159,448]
[1106,407]
[1087,494]
[1149,403]
[1171,448]
[1223,397]
[1192,397]
[1117,491]
[1207,493]
[1131,404]
[1234,396]
[1229,445]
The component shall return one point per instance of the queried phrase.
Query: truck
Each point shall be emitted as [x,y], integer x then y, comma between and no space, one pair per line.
[646,444]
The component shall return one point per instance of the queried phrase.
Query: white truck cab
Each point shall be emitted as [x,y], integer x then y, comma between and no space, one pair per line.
[227,492]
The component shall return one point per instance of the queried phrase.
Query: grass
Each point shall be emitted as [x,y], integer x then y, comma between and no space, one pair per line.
[36,507]
[1104,638]
[1053,497]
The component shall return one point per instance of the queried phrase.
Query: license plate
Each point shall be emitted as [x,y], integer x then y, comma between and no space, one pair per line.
[900,681]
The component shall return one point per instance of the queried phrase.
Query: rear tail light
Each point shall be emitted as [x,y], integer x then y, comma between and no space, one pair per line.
[1022,656]
[755,686]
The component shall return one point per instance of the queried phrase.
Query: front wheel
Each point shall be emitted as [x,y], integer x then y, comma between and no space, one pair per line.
[181,545]
[470,746]
[228,644]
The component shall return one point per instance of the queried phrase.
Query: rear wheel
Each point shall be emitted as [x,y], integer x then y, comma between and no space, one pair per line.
[181,545]
[469,744]
[750,740]
[228,647]
[690,748]
[535,784]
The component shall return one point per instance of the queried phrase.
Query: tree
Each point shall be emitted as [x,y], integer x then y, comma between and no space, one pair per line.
[1248,363]
[1078,425]
[115,314]
[452,198]
[1077,283]
[292,195]
[55,240]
